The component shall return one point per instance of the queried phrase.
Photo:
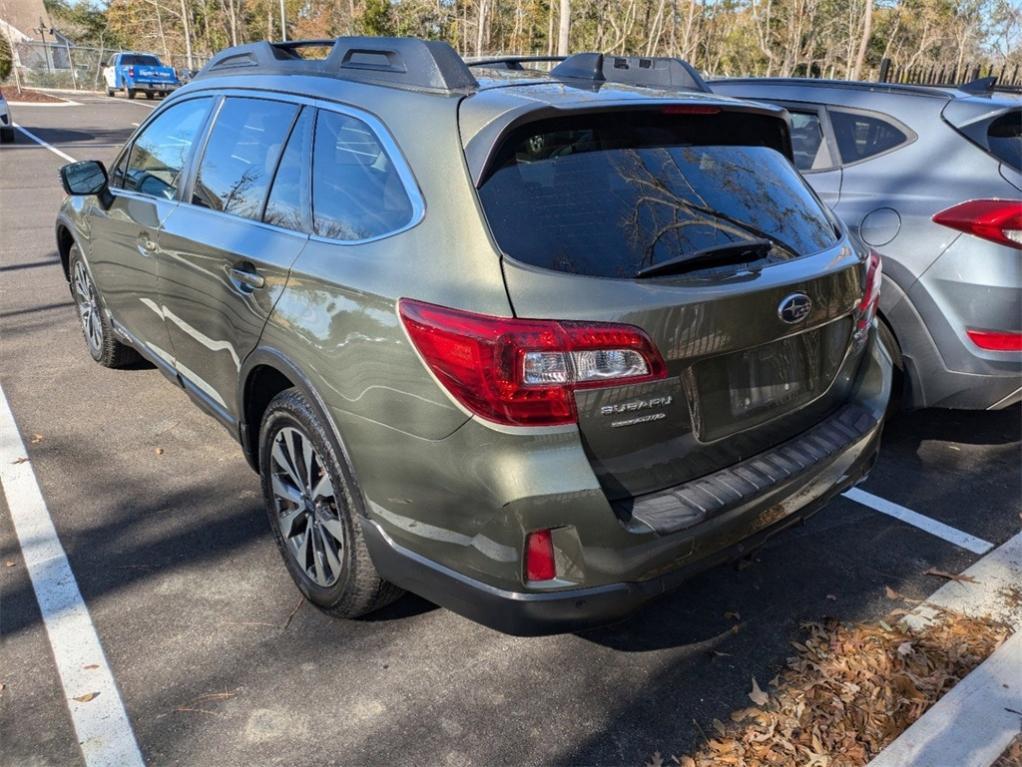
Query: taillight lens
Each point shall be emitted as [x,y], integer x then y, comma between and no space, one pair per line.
[524,372]
[539,557]
[131,71]
[999,221]
[996,340]
[867,308]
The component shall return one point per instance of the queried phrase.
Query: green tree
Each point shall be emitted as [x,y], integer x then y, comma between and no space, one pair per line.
[6,59]
[377,18]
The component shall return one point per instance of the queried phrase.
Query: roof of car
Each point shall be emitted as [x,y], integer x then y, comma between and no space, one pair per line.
[977,90]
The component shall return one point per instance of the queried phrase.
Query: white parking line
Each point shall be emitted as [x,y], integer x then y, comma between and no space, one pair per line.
[97,712]
[932,526]
[42,143]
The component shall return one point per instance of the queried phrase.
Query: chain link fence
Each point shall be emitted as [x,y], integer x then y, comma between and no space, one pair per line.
[74,67]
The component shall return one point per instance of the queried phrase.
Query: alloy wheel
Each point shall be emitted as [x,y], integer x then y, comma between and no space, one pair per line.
[88,307]
[306,506]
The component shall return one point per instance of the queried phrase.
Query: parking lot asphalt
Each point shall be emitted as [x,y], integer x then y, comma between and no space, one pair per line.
[219,662]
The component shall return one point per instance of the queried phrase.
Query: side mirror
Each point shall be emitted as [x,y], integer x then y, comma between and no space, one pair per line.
[85,178]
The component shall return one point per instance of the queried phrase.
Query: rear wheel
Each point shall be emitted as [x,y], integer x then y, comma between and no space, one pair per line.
[315,508]
[150,95]
[99,336]
[110,92]
[886,336]
[7,135]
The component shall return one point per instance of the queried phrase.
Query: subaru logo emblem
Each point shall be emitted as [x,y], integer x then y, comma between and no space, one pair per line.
[794,308]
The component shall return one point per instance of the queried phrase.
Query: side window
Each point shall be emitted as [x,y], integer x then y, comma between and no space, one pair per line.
[160,153]
[117,176]
[356,190]
[860,136]
[289,201]
[808,143]
[241,155]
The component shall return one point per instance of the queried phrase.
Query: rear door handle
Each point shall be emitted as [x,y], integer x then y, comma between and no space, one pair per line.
[246,276]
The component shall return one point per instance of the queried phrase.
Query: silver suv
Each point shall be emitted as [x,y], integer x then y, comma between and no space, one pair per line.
[932,178]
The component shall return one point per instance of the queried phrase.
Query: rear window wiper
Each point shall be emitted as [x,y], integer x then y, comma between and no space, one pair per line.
[719,255]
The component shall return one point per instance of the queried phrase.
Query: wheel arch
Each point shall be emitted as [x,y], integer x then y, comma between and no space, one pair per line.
[265,373]
[65,241]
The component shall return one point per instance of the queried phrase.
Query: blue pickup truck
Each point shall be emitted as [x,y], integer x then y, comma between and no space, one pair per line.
[139,73]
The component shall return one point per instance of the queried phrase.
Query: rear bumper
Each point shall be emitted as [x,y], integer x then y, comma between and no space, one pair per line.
[650,561]
[535,614]
[974,284]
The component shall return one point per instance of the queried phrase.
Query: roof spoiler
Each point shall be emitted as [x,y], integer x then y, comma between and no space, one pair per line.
[396,62]
[979,85]
[641,71]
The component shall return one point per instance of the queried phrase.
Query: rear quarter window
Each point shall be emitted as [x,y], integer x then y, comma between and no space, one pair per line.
[1004,138]
[610,194]
[860,136]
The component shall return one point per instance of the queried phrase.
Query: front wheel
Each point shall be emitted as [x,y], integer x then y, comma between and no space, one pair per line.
[150,95]
[110,92]
[99,336]
[315,510]
[131,93]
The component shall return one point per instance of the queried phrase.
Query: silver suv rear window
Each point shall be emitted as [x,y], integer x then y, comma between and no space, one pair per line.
[609,194]
[1004,137]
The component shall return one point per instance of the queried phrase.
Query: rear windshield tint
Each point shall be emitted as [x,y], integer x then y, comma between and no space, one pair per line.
[1004,137]
[144,61]
[607,195]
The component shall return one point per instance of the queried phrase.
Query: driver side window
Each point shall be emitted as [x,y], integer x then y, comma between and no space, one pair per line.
[160,153]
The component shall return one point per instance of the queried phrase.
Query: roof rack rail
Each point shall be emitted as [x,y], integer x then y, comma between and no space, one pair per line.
[396,62]
[511,62]
[642,71]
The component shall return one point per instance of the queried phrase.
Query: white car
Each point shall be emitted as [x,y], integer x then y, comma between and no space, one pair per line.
[6,122]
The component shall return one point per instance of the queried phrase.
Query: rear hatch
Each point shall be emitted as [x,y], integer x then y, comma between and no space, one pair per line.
[598,216]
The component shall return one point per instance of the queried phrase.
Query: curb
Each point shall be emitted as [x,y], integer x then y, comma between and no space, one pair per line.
[980,716]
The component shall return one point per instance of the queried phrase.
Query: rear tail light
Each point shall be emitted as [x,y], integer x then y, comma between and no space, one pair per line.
[131,71]
[524,372]
[867,308]
[539,557]
[996,340]
[999,221]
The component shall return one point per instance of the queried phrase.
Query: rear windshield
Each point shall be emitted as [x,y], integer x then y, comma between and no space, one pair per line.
[1004,137]
[146,61]
[610,194]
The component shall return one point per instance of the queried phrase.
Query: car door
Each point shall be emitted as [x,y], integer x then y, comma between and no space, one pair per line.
[814,148]
[230,247]
[144,190]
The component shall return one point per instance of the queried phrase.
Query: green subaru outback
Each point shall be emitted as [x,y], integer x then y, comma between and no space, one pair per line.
[535,345]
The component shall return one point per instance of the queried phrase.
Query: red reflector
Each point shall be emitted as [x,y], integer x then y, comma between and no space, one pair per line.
[539,557]
[999,221]
[871,290]
[996,340]
[690,109]
[525,372]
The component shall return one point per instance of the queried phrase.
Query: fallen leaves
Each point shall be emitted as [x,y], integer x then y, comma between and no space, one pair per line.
[891,593]
[158,451]
[957,577]
[847,693]
[86,697]
[9,563]
[36,439]
[756,695]
[91,666]
[17,461]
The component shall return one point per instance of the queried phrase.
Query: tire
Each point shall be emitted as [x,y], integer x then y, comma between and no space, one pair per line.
[99,336]
[7,135]
[886,336]
[337,575]
[150,95]
[131,93]
[110,92]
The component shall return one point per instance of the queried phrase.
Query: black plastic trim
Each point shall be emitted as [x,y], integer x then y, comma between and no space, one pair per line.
[681,507]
